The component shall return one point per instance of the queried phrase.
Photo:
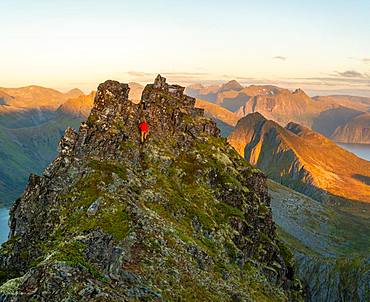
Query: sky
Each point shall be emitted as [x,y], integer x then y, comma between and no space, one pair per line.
[316,45]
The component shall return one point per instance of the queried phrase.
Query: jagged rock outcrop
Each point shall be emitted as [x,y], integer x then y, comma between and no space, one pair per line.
[302,159]
[181,217]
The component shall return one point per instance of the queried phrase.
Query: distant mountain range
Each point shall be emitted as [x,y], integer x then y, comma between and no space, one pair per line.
[302,159]
[36,96]
[323,114]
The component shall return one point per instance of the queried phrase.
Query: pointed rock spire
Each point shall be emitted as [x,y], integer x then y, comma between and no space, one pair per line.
[160,83]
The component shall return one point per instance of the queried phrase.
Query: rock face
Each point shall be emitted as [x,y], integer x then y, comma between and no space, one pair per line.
[356,130]
[283,106]
[180,218]
[302,159]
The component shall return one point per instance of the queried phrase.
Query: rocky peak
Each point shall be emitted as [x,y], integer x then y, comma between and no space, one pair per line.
[300,91]
[160,83]
[74,93]
[231,85]
[164,106]
[255,116]
[111,98]
[111,218]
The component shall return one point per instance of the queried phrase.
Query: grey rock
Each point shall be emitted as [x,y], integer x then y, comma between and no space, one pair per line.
[94,207]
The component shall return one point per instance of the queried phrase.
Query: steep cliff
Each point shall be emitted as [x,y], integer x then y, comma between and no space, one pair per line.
[356,130]
[180,217]
[302,159]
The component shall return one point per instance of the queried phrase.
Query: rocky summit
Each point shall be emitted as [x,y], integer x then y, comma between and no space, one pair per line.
[181,217]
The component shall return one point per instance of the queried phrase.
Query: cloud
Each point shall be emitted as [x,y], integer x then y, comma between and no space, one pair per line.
[186,74]
[365,60]
[350,74]
[337,79]
[281,58]
[139,74]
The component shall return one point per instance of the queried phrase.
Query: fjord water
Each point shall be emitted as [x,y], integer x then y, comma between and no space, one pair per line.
[361,150]
[4,229]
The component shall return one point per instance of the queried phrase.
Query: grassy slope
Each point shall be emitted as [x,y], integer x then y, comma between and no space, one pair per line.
[162,213]
[331,246]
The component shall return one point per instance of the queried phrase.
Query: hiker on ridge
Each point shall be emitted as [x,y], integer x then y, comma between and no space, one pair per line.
[144,129]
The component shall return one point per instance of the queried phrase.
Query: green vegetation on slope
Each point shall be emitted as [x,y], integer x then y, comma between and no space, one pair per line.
[331,246]
[28,150]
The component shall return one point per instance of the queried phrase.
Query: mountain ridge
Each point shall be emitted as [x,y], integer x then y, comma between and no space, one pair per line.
[323,114]
[34,96]
[180,217]
[301,158]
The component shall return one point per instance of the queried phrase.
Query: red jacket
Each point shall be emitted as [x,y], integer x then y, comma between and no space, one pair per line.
[144,127]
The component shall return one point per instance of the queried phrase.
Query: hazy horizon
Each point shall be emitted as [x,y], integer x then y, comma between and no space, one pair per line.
[292,87]
[317,46]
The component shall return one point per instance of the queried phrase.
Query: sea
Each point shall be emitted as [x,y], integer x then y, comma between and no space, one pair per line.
[362,151]
[4,229]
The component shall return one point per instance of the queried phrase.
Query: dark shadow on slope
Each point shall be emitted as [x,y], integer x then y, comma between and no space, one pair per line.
[226,129]
[234,104]
[363,178]
[330,119]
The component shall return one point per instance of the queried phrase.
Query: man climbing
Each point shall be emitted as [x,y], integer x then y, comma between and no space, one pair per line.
[144,129]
